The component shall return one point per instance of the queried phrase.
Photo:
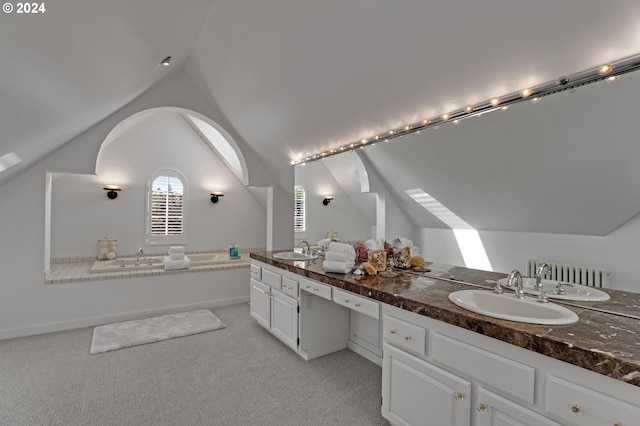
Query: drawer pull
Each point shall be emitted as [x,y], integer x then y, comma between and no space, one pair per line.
[392,331]
[346,300]
[482,407]
[409,338]
[357,305]
[459,396]
[617,424]
[575,408]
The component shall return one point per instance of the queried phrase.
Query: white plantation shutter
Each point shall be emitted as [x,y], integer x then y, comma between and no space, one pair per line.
[167,206]
[299,209]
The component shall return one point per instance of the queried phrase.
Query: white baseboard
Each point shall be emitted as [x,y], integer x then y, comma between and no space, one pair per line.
[106,319]
[365,353]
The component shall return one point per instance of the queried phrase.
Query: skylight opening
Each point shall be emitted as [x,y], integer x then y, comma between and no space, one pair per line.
[468,238]
[220,144]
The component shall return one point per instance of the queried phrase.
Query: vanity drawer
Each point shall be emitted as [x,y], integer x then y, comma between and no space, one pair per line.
[582,406]
[505,375]
[316,288]
[404,335]
[290,287]
[271,278]
[357,303]
[256,272]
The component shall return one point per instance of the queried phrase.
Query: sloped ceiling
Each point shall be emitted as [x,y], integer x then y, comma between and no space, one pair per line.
[68,68]
[293,77]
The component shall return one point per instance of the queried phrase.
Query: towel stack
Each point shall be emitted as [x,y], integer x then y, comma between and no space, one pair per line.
[176,259]
[339,258]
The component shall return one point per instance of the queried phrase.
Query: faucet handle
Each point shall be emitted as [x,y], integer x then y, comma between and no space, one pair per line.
[542,296]
[559,290]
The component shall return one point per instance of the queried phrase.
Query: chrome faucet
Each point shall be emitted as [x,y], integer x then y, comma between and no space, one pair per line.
[515,275]
[138,254]
[305,251]
[542,269]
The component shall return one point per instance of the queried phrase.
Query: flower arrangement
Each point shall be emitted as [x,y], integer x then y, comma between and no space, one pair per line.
[362,254]
[389,248]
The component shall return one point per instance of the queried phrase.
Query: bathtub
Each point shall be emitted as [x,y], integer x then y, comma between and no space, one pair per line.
[155,262]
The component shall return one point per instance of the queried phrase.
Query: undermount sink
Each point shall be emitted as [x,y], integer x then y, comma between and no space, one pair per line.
[292,255]
[507,306]
[576,292]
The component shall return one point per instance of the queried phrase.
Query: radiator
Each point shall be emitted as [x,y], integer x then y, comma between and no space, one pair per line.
[584,275]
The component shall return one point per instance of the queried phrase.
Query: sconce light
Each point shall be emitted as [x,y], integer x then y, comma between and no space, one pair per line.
[112,194]
[327,199]
[215,196]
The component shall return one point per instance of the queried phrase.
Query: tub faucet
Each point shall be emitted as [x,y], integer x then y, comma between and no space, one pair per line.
[542,269]
[515,275]
[138,254]
[305,251]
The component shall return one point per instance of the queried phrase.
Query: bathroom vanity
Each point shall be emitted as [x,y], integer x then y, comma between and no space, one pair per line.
[443,365]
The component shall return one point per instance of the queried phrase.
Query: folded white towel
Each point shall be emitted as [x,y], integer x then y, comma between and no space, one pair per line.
[176,256]
[337,256]
[338,267]
[176,249]
[169,264]
[343,248]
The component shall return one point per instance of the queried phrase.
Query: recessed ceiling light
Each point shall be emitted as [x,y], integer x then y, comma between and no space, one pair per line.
[166,61]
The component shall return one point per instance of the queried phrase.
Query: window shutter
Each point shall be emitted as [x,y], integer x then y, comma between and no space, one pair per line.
[167,196]
[299,209]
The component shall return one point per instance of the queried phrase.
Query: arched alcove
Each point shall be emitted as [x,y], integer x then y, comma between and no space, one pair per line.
[80,212]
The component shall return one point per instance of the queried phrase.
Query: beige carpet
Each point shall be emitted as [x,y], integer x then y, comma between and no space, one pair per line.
[125,334]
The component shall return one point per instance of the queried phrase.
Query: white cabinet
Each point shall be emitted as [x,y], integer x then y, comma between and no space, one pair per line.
[415,392]
[284,318]
[581,406]
[365,331]
[510,386]
[298,311]
[273,309]
[494,410]
[261,303]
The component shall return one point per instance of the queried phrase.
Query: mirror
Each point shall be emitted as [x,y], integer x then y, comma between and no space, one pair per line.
[351,214]
[556,180]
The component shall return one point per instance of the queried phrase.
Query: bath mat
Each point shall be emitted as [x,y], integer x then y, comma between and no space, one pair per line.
[125,334]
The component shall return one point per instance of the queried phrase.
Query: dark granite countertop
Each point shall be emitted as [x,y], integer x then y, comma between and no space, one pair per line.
[602,342]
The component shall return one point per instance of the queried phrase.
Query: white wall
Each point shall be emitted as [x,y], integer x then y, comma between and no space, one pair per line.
[82,213]
[618,251]
[28,305]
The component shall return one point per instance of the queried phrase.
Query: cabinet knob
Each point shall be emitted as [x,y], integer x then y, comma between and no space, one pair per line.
[392,331]
[409,338]
[346,300]
[617,424]
[575,408]
[315,289]
[357,305]
[482,407]
[459,396]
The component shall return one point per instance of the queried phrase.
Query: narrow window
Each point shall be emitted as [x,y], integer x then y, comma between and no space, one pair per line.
[166,208]
[299,211]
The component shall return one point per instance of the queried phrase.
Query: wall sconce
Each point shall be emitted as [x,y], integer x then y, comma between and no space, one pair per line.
[327,199]
[215,196]
[112,194]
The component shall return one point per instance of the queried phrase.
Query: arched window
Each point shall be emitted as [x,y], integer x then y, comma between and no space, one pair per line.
[166,208]
[299,210]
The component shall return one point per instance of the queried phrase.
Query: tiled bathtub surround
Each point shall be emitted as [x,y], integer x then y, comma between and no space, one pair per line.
[76,269]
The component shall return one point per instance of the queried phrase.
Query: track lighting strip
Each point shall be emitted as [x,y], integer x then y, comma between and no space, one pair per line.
[603,72]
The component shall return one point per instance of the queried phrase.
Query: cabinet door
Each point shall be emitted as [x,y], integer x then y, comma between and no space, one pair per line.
[494,410]
[284,318]
[260,303]
[415,392]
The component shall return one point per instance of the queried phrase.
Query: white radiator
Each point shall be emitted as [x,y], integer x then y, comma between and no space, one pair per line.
[585,275]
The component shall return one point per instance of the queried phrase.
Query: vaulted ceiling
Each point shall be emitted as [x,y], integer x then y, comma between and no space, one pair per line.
[292,77]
